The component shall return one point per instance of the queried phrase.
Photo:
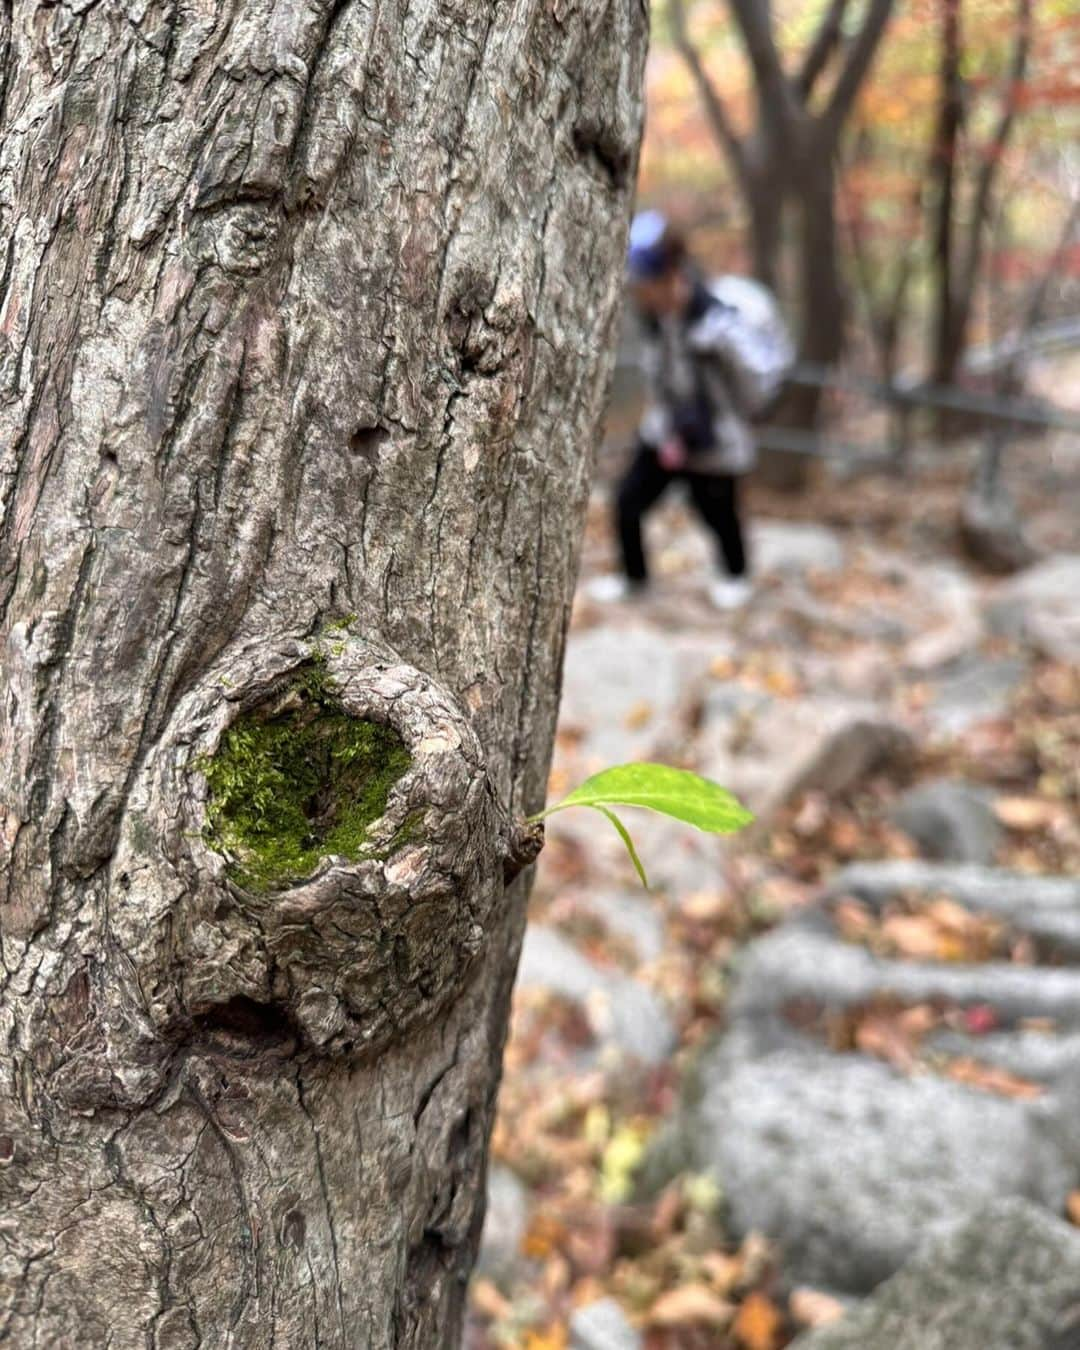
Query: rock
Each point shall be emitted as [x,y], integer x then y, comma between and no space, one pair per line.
[993,890]
[1041,1056]
[795,963]
[950,821]
[602,1326]
[1007,1278]
[794,546]
[846,1164]
[1046,908]
[621,1011]
[776,749]
[505,1221]
[992,533]
[1042,606]
[975,690]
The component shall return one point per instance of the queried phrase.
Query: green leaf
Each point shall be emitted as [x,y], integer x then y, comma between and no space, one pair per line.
[658,787]
[624,835]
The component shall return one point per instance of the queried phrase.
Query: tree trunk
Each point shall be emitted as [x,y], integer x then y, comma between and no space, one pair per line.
[765,189]
[305,311]
[949,317]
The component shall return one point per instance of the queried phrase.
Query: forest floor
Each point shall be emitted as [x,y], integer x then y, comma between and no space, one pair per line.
[879,701]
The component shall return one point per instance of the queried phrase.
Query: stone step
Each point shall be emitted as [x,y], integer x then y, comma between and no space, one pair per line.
[797,964]
[1007,1278]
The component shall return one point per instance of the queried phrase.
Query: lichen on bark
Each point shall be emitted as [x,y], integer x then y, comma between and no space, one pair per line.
[298,780]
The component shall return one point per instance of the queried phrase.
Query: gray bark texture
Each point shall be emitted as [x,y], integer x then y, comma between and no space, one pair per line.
[305,321]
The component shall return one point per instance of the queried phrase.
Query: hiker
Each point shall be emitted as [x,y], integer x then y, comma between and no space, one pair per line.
[714,354]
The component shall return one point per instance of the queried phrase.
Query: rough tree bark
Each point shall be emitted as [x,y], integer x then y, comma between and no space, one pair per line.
[305,308]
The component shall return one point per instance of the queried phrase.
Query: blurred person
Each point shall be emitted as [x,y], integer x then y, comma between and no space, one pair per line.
[714,354]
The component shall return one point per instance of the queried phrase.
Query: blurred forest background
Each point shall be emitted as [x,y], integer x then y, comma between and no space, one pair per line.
[942,171]
[717,1127]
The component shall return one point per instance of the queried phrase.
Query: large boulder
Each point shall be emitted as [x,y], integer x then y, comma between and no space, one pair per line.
[1007,1278]
[845,1163]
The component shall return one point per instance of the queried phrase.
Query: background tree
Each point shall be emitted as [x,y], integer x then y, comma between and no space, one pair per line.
[958,235]
[788,155]
[303,330]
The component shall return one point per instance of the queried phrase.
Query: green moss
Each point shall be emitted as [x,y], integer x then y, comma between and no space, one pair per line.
[298,782]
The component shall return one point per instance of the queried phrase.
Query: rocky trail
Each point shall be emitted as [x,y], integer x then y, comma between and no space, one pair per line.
[819,1085]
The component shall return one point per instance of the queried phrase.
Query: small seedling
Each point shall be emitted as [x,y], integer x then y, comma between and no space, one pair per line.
[657,787]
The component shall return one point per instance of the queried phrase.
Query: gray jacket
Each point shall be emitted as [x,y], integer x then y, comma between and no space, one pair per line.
[711,370]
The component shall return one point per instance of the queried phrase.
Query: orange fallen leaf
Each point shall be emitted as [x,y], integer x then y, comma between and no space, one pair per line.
[488,1302]
[853,920]
[758,1324]
[639,714]
[705,906]
[912,935]
[543,1237]
[989,1078]
[722,668]
[895,1034]
[689,1304]
[553,1337]
[1028,813]
[813,1308]
[723,1271]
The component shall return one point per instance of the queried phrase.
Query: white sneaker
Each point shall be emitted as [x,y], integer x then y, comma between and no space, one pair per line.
[730,593]
[610,588]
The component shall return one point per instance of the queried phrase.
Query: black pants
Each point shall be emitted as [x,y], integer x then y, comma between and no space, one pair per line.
[714,495]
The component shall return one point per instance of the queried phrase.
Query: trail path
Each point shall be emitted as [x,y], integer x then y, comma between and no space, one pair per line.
[798,1054]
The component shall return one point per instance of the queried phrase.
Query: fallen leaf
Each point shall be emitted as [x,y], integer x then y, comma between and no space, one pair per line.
[989,1078]
[638,715]
[488,1302]
[543,1237]
[755,1254]
[854,920]
[895,1034]
[553,1337]
[980,1019]
[813,1308]
[1028,813]
[758,1324]
[689,1304]
[912,935]
[705,906]
[724,1271]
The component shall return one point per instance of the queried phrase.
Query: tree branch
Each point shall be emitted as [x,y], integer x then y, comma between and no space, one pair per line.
[715,111]
[992,155]
[775,98]
[859,58]
[820,51]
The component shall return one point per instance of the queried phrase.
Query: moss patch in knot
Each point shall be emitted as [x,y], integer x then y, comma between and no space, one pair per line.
[295,782]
